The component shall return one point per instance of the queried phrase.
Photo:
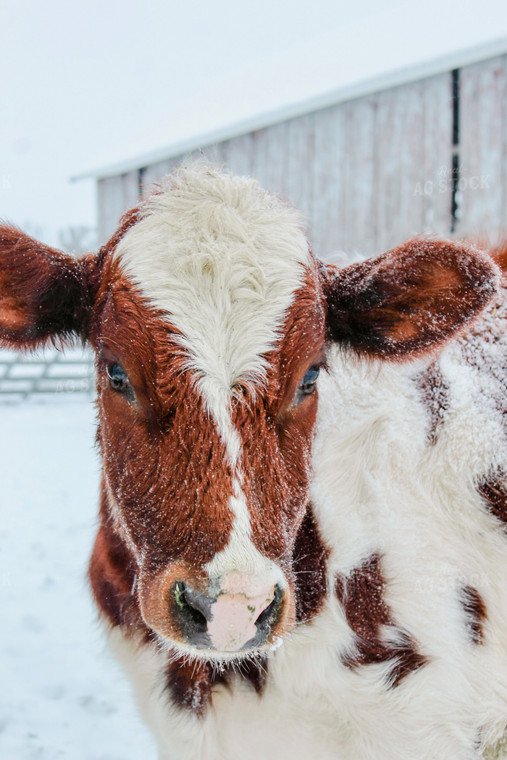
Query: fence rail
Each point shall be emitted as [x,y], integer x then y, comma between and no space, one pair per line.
[45,374]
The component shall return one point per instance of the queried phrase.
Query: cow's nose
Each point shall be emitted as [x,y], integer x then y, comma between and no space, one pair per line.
[234,620]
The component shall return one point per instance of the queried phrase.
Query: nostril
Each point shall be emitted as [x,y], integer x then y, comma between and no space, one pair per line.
[198,602]
[270,616]
[194,609]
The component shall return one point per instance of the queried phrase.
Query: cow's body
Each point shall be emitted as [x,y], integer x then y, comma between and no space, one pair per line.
[403,456]
[282,579]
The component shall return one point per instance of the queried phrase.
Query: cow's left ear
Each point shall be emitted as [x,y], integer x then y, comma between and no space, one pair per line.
[44,293]
[409,300]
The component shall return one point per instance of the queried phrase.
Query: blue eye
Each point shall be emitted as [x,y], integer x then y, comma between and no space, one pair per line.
[307,385]
[118,378]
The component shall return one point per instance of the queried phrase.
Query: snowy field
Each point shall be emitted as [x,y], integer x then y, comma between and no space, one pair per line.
[62,695]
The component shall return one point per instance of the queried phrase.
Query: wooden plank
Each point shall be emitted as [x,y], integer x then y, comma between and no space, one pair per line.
[214,154]
[238,154]
[110,206]
[300,152]
[269,157]
[210,153]
[329,234]
[388,135]
[399,164]
[436,189]
[483,94]
[503,232]
[361,195]
[131,189]
[154,173]
[411,109]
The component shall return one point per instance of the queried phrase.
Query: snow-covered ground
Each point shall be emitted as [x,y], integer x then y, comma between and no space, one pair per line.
[62,696]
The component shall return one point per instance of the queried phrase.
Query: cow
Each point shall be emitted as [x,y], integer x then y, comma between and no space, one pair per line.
[302,545]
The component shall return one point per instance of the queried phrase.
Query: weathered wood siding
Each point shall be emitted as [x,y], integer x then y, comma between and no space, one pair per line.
[371,172]
[482,184]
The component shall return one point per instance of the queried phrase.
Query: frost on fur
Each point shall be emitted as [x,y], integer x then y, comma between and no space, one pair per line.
[301,548]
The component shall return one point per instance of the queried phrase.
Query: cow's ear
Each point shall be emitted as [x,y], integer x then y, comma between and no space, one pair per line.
[409,300]
[45,295]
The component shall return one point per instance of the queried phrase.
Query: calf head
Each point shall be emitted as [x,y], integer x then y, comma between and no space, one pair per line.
[209,318]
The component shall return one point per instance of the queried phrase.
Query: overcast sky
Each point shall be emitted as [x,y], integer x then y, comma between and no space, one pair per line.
[84,84]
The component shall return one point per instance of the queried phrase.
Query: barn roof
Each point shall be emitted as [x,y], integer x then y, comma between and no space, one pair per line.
[374,77]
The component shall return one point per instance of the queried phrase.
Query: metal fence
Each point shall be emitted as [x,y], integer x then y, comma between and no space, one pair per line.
[45,374]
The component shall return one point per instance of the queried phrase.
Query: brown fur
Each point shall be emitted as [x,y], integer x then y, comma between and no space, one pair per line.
[475,613]
[310,569]
[164,461]
[173,500]
[277,474]
[167,480]
[113,576]
[409,300]
[494,492]
[191,685]
[499,255]
[435,395]
[361,594]
[43,292]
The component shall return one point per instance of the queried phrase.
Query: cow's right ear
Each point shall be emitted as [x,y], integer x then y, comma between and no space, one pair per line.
[409,300]
[45,295]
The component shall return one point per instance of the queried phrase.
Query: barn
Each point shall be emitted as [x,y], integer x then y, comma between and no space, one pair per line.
[418,150]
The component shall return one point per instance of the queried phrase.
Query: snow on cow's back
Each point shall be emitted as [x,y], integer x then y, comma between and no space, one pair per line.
[223,258]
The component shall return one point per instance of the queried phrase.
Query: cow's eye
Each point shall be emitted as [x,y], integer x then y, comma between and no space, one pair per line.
[307,384]
[118,378]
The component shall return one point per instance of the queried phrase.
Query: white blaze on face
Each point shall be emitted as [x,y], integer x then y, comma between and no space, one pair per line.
[223,259]
[241,558]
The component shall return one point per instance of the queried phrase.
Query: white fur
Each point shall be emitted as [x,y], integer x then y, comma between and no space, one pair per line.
[240,555]
[378,488]
[223,259]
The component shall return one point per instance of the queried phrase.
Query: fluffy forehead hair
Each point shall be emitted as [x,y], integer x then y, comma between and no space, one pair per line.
[223,259]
